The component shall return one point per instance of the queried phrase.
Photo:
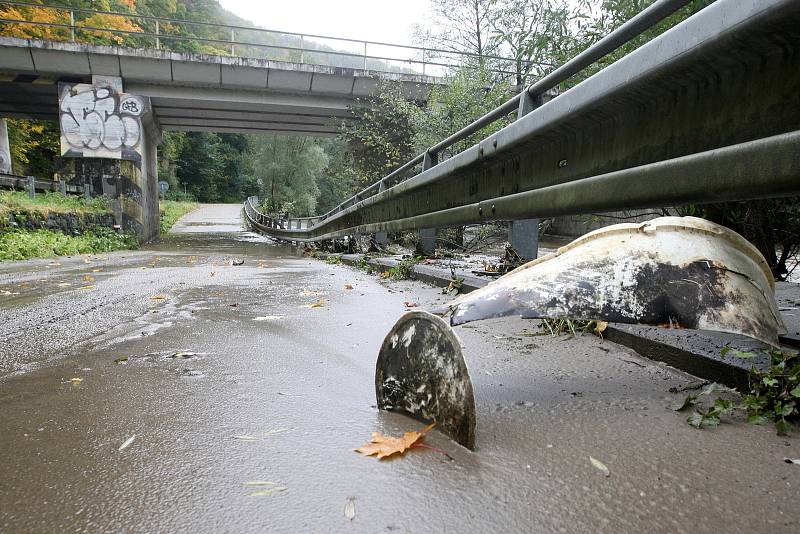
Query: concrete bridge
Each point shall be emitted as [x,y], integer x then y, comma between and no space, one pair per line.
[194,91]
[113,102]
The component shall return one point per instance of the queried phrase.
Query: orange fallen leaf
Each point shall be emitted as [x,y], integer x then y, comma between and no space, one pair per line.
[348,286]
[87,287]
[386,274]
[384,446]
[158,297]
[320,303]
[88,278]
[96,270]
[409,304]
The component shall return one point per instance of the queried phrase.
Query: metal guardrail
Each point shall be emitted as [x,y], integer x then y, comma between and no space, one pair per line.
[276,221]
[16,181]
[528,99]
[665,125]
[310,45]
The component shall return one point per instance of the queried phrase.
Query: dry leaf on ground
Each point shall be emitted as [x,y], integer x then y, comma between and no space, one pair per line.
[384,446]
[127,442]
[600,465]
[350,508]
[386,274]
[158,297]
[600,327]
[409,304]
[87,287]
[348,286]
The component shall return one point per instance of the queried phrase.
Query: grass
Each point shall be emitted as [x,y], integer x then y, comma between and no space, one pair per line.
[172,210]
[21,245]
[46,203]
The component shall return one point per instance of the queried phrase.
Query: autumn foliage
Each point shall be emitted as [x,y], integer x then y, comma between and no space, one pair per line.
[51,21]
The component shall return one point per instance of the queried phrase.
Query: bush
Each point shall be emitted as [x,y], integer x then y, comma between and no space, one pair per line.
[22,245]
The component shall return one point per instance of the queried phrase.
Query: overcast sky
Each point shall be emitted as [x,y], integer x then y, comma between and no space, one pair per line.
[369,20]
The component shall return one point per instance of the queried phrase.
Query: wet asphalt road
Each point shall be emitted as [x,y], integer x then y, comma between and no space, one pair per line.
[285,399]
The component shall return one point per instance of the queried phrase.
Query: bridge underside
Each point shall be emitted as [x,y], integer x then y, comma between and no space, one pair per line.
[193,91]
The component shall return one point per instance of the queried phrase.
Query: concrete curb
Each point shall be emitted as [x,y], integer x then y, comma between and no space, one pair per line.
[699,358]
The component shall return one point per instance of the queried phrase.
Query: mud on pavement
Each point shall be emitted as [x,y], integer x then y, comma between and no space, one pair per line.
[234,377]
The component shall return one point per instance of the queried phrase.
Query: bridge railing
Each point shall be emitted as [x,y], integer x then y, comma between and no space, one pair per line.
[246,41]
[31,184]
[677,131]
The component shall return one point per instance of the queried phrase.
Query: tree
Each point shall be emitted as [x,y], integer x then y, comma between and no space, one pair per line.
[461,26]
[289,169]
[465,96]
[534,33]
[380,133]
[199,165]
[34,146]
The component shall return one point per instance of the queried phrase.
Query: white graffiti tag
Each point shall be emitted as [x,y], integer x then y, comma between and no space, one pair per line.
[96,117]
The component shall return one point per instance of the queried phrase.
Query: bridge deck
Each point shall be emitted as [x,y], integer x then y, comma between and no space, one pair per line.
[194,91]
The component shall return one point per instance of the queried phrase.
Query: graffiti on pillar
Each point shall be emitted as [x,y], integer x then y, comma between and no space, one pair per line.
[97,121]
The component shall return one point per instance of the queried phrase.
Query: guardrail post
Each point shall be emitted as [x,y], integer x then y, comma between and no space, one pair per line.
[302,51]
[427,236]
[72,26]
[31,187]
[381,238]
[87,191]
[158,39]
[524,234]
[233,40]
[62,186]
[365,55]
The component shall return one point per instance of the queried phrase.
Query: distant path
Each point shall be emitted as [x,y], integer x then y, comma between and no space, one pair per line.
[210,218]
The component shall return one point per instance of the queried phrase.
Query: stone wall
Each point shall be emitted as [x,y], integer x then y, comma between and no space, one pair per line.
[68,223]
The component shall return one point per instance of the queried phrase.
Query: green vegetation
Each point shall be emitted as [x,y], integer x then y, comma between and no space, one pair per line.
[171,211]
[22,245]
[404,269]
[46,203]
[773,396]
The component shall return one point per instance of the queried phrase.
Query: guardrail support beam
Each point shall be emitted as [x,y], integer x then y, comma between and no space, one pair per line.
[427,236]
[524,234]
[31,187]
[381,238]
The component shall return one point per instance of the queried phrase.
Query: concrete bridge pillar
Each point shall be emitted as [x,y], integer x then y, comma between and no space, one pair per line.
[113,137]
[5,149]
